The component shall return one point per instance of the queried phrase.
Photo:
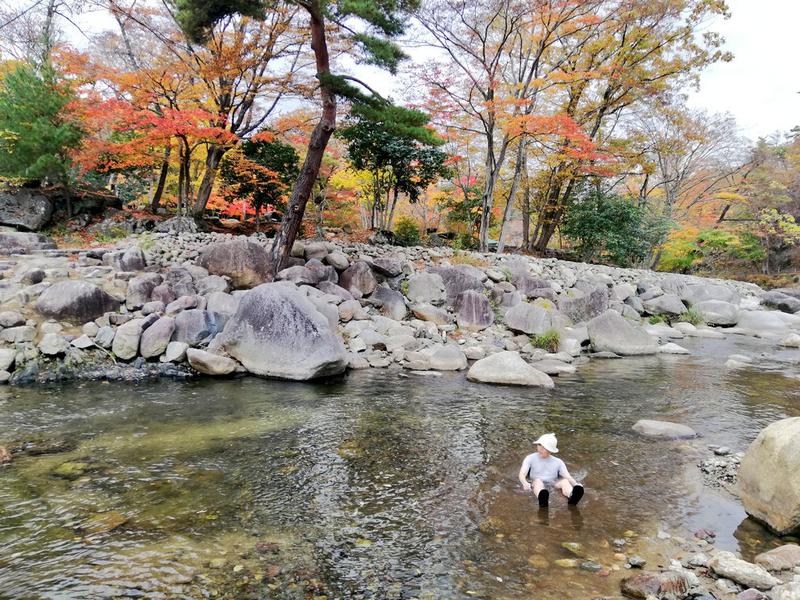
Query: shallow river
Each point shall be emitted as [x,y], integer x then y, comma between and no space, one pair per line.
[384,484]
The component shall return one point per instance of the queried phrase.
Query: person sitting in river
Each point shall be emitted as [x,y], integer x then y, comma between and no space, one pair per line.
[543,469]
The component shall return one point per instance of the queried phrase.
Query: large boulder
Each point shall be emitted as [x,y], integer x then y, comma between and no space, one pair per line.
[781,301]
[434,314]
[209,363]
[530,286]
[529,319]
[581,306]
[473,311]
[447,358]
[155,339]
[277,332]
[131,259]
[426,288]
[140,288]
[782,558]
[507,368]
[246,263]
[665,304]
[126,339]
[700,292]
[768,483]
[610,332]
[718,312]
[79,300]
[25,209]
[195,327]
[457,280]
[761,321]
[392,304]
[358,279]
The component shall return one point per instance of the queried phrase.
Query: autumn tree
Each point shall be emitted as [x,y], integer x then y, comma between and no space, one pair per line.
[401,155]
[368,25]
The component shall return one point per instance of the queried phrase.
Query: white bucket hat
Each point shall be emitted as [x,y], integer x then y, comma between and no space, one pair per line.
[548,440]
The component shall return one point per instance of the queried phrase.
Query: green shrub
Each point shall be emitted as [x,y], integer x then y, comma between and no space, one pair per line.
[656,319]
[693,316]
[465,241]
[549,340]
[406,232]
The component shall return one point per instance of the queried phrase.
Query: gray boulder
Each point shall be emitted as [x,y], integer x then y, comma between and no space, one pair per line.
[334,290]
[699,292]
[392,304]
[24,208]
[426,288]
[195,327]
[457,280]
[529,319]
[473,311]
[155,339]
[78,300]
[507,368]
[760,321]
[19,242]
[247,264]
[223,306]
[781,301]
[208,363]
[782,558]
[140,288]
[104,337]
[663,430]
[298,275]
[530,286]
[126,339]
[768,485]
[434,314]
[447,358]
[175,352]
[277,332]
[53,344]
[610,332]
[665,304]
[11,318]
[580,306]
[131,259]
[211,285]
[358,279]
[726,564]
[338,260]
[718,312]
[389,267]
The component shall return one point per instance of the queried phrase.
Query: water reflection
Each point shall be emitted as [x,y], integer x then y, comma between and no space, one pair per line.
[383,484]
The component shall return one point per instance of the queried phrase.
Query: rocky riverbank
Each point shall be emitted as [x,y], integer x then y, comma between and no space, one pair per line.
[167,299]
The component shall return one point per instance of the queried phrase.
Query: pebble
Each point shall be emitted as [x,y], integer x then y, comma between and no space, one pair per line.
[637,562]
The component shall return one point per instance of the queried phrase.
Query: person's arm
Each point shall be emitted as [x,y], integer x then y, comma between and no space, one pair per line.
[565,474]
[523,476]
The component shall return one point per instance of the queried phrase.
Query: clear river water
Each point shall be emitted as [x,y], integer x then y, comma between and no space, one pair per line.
[383,484]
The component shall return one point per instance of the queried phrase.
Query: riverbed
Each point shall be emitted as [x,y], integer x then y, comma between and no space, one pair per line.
[382,484]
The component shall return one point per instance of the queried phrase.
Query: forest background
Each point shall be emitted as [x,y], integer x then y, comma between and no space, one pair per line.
[554,127]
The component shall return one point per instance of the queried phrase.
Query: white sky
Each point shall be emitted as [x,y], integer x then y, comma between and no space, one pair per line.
[760,87]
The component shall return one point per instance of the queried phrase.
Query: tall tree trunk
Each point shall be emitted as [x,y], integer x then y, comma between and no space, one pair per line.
[522,158]
[296,207]
[155,201]
[213,158]
[391,211]
[526,214]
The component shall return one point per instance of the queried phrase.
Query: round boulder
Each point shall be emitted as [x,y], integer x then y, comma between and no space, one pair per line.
[246,263]
[78,300]
[277,332]
[507,368]
[610,332]
[768,483]
[663,429]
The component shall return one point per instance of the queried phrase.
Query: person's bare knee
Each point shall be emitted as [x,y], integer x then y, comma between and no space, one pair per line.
[538,486]
[564,486]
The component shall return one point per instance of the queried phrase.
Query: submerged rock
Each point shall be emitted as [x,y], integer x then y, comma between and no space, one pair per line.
[663,429]
[768,483]
[667,585]
[277,332]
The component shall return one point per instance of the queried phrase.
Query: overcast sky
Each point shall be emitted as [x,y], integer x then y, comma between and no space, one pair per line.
[759,87]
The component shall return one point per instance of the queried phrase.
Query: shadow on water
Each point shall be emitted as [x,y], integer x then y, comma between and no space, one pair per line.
[383,484]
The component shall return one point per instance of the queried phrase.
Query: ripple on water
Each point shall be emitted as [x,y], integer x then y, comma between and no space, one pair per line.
[375,486]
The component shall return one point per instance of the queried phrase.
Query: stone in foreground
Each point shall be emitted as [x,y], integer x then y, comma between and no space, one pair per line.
[726,564]
[650,584]
[246,263]
[277,332]
[663,430]
[782,558]
[507,368]
[79,300]
[769,486]
[610,332]
[210,364]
